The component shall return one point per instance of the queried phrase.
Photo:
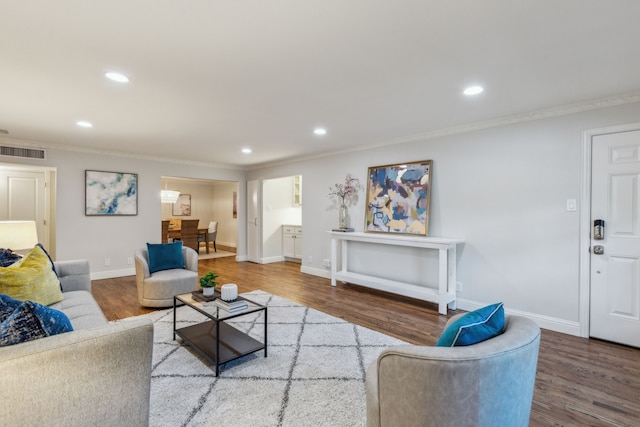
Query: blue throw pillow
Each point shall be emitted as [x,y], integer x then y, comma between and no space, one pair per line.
[8,257]
[7,306]
[474,327]
[22,321]
[165,256]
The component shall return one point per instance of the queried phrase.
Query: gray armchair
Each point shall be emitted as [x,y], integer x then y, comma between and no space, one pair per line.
[485,384]
[159,288]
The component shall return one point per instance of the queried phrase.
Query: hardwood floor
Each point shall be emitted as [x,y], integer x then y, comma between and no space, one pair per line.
[579,381]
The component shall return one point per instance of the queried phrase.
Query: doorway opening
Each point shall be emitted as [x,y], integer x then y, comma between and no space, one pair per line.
[207,201]
[277,220]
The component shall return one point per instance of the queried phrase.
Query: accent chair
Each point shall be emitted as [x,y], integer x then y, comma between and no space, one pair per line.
[485,384]
[157,289]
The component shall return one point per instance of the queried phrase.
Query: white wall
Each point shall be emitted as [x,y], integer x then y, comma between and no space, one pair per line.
[502,189]
[97,238]
[228,226]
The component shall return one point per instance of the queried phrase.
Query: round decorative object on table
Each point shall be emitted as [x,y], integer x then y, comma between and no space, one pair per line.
[208,292]
[229,292]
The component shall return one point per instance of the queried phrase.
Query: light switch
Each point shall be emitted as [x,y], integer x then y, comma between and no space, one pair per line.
[571,205]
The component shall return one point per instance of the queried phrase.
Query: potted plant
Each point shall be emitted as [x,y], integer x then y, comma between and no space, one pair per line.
[208,283]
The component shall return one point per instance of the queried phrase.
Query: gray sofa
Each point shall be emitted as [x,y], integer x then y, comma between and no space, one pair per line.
[99,374]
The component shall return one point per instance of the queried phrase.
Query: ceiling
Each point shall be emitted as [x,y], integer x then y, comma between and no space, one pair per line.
[211,77]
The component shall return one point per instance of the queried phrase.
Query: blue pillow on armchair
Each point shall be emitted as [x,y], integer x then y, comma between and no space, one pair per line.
[165,256]
[474,327]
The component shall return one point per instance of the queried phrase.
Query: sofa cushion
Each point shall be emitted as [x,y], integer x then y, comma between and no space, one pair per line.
[22,321]
[474,327]
[165,256]
[32,278]
[82,310]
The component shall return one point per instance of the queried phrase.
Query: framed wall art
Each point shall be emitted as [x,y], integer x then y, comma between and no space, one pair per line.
[235,204]
[182,207]
[110,193]
[398,198]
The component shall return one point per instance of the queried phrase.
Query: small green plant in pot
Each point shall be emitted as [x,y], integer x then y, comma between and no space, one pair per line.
[208,283]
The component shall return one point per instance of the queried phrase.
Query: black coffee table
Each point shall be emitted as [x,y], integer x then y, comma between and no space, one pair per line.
[215,340]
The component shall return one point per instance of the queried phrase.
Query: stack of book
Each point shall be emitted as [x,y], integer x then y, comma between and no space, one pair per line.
[235,305]
[199,296]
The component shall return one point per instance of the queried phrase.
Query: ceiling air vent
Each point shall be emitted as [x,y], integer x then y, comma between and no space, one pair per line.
[24,152]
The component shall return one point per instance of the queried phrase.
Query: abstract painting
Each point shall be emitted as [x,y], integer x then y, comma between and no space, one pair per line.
[110,193]
[398,198]
[182,207]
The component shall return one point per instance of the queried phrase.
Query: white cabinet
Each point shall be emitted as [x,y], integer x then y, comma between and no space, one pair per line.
[297,190]
[292,241]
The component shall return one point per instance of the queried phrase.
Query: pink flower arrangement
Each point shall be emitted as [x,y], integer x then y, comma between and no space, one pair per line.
[347,190]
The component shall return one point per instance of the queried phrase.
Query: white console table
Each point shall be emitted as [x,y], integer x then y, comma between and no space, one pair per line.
[444,296]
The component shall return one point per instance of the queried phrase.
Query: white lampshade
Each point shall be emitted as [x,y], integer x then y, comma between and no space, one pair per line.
[169,196]
[18,235]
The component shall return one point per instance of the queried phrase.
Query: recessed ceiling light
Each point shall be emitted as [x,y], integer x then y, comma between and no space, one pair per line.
[473,90]
[84,124]
[320,131]
[117,77]
[246,150]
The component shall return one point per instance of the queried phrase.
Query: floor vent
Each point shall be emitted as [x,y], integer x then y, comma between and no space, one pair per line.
[27,153]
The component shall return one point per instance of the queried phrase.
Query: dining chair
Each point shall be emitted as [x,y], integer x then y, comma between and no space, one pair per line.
[189,233]
[165,231]
[213,232]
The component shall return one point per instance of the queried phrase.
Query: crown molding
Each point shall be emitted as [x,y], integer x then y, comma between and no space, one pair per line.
[596,104]
[62,147]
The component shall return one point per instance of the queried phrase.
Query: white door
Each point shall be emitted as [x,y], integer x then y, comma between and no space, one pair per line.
[615,273]
[254,242]
[23,197]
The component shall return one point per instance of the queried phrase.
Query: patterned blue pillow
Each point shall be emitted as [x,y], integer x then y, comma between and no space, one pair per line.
[22,321]
[8,257]
[165,256]
[474,327]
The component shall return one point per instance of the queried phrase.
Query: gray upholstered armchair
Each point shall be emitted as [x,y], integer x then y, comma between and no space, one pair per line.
[485,384]
[159,288]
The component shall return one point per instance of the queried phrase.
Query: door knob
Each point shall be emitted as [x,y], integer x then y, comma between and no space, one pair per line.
[598,249]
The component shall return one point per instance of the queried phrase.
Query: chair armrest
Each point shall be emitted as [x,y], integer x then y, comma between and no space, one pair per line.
[98,376]
[74,275]
[190,259]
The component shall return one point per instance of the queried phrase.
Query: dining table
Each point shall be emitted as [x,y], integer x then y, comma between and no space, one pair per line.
[174,233]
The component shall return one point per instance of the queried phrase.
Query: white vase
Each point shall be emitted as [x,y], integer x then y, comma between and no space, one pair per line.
[208,292]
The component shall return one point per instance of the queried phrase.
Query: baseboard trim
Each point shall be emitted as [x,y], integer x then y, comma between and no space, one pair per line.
[545,322]
[315,271]
[110,274]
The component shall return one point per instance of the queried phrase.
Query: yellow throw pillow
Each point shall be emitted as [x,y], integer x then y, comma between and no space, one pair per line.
[31,279]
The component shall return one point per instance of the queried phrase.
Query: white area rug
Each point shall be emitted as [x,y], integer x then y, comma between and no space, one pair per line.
[313,374]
